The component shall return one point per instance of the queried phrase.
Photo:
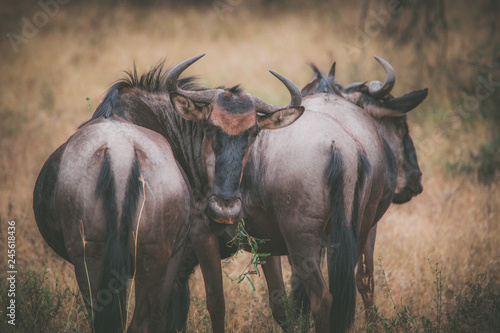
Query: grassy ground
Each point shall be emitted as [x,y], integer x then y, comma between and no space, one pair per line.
[83,48]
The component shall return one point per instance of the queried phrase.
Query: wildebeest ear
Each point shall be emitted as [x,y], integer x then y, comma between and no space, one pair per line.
[280,118]
[310,88]
[354,97]
[406,102]
[187,108]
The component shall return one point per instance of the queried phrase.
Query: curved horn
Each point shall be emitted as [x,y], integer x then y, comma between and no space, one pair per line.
[353,87]
[296,98]
[315,69]
[331,73]
[202,96]
[378,90]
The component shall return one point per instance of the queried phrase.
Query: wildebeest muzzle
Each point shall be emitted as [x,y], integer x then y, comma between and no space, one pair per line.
[226,211]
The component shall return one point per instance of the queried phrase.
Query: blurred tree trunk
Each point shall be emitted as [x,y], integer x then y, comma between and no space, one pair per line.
[364,13]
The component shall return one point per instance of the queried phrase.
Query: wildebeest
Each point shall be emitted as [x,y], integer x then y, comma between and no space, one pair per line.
[92,208]
[213,151]
[209,134]
[333,173]
[374,98]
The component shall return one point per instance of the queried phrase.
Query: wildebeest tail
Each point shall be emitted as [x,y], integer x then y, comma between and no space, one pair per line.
[110,307]
[342,251]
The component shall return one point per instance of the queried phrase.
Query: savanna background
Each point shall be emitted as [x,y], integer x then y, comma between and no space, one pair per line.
[439,255]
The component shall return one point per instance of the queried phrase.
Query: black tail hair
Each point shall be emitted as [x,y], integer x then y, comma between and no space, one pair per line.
[343,251]
[115,267]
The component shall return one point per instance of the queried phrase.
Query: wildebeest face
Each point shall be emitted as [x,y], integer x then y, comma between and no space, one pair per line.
[230,131]
[231,127]
[394,130]
[231,120]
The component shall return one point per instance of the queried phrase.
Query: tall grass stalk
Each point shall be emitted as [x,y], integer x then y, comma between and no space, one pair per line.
[136,235]
[436,271]
[88,102]
[295,320]
[386,283]
[403,321]
[84,242]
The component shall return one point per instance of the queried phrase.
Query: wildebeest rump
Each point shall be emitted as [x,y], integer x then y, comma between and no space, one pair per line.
[90,206]
[334,172]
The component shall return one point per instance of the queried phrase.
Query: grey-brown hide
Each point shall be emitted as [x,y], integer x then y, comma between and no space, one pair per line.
[332,173]
[390,116]
[91,206]
[383,122]
[310,180]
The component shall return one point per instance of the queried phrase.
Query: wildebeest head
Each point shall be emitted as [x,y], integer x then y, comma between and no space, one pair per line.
[322,83]
[231,121]
[390,115]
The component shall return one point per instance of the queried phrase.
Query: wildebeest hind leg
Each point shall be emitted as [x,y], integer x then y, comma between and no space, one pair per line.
[148,282]
[276,288]
[364,273]
[206,247]
[304,256]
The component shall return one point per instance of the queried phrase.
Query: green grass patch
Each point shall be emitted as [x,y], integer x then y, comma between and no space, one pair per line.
[42,306]
[244,241]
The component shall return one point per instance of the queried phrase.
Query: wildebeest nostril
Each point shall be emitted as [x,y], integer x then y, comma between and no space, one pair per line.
[224,211]
[416,180]
[420,187]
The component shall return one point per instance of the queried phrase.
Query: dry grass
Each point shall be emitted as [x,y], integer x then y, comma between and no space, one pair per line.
[83,49]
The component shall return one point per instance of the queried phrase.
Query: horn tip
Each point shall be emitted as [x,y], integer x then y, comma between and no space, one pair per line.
[383,62]
[276,74]
[282,78]
[331,73]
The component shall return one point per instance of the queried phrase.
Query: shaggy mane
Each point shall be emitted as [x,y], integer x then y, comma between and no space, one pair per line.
[154,81]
